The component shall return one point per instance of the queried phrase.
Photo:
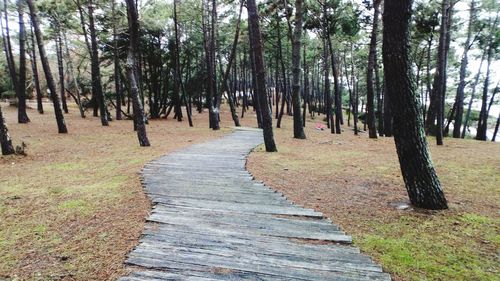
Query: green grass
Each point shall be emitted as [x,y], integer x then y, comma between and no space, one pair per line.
[437,247]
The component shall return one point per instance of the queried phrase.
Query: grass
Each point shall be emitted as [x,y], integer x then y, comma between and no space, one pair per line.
[355,181]
[74,207]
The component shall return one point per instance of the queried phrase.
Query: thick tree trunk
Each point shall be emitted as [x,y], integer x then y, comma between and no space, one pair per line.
[96,70]
[422,183]
[22,116]
[5,140]
[46,69]
[133,24]
[257,49]
[298,128]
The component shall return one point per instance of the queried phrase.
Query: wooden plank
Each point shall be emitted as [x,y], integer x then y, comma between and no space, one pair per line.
[212,221]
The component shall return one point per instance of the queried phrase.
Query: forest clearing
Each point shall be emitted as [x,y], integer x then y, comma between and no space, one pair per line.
[249,140]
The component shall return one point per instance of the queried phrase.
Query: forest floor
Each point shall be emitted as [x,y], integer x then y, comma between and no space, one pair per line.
[74,207]
[356,182]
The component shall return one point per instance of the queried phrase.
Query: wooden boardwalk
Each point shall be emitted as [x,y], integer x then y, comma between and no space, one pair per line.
[212,221]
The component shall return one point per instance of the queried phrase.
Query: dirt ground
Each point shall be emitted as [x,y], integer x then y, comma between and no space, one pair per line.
[356,182]
[74,206]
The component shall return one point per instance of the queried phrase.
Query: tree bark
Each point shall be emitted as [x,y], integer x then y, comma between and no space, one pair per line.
[482,126]
[60,67]
[5,140]
[116,65]
[256,46]
[459,100]
[133,24]
[46,69]
[473,94]
[22,116]
[370,92]
[298,128]
[8,48]
[95,68]
[69,64]
[421,180]
[34,68]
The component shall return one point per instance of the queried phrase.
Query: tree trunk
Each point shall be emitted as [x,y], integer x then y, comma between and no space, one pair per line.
[225,78]
[22,116]
[5,140]
[370,92]
[257,49]
[482,126]
[116,65]
[496,129]
[133,24]
[8,48]
[60,67]
[46,69]
[422,183]
[69,63]
[298,128]
[34,68]
[436,107]
[284,89]
[459,100]
[96,70]
[336,90]
[469,107]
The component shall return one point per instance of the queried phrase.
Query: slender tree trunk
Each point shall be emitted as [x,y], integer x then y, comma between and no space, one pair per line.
[69,63]
[8,48]
[482,126]
[60,67]
[459,100]
[116,64]
[370,92]
[5,140]
[422,183]
[133,24]
[298,129]
[436,107]
[225,78]
[257,49]
[34,68]
[96,70]
[46,69]
[337,92]
[496,129]
[284,89]
[22,116]
[473,94]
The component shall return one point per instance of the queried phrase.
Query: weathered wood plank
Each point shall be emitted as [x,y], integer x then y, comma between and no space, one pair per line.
[212,221]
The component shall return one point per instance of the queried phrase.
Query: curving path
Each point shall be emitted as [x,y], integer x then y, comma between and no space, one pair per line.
[212,221]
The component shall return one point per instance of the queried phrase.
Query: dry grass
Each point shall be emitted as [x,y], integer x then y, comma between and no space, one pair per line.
[74,206]
[354,180]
